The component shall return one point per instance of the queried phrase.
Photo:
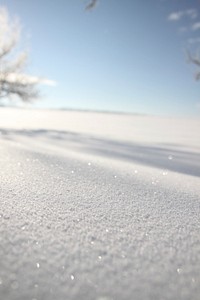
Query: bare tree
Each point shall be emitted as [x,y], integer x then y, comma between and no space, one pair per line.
[13,80]
[194,59]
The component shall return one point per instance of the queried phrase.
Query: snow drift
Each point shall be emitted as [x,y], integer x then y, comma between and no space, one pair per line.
[98,206]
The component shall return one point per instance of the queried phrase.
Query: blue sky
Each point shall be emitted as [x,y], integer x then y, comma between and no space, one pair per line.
[124,55]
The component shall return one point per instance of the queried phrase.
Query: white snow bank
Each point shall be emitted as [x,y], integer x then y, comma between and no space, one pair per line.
[98,206]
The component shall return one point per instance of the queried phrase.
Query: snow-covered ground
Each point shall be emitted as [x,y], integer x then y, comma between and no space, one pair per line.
[98,206]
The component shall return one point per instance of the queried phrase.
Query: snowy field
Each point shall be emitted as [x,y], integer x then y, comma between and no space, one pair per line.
[98,206]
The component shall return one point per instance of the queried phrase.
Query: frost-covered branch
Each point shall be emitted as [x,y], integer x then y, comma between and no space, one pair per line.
[13,79]
[91,5]
[194,59]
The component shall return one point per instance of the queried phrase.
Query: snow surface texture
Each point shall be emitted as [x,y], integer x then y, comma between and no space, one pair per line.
[98,206]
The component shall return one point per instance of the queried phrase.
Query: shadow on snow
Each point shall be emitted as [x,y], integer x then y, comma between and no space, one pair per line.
[160,156]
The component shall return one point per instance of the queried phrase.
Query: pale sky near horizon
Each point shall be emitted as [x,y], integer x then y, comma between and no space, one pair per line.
[124,55]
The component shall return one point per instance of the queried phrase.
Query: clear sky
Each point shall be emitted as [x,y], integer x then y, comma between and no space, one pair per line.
[124,55]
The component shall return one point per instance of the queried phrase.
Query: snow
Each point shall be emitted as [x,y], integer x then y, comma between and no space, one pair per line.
[98,206]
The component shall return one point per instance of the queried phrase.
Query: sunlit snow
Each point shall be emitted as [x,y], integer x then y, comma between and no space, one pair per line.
[98,206]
